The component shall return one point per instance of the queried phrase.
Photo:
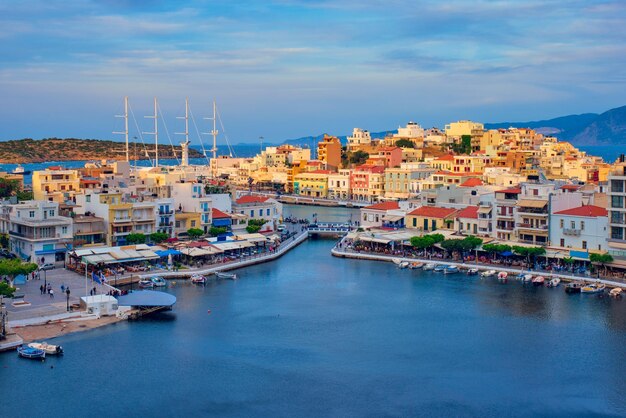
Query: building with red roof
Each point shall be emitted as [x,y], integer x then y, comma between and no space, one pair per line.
[382,214]
[431,218]
[581,230]
[466,221]
[473,182]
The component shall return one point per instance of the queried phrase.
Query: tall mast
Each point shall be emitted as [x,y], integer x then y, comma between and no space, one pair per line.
[125,133]
[214,132]
[155,133]
[185,145]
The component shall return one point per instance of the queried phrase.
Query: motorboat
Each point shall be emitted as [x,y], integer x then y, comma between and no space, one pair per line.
[396,261]
[593,288]
[20,171]
[488,273]
[554,282]
[472,272]
[429,266]
[416,265]
[502,276]
[616,292]
[47,348]
[198,279]
[224,275]
[403,265]
[452,269]
[158,281]
[146,283]
[573,287]
[539,281]
[528,278]
[439,268]
[30,352]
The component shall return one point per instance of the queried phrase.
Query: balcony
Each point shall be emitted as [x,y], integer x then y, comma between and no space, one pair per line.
[505,227]
[571,232]
[122,219]
[526,225]
[531,212]
[166,212]
[144,219]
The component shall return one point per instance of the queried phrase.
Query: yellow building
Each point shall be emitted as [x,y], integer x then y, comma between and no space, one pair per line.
[329,152]
[312,184]
[56,185]
[185,221]
[430,218]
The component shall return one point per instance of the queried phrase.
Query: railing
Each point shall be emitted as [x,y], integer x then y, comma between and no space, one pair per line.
[527,225]
[122,219]
[166,212]
[505,227]
[522,210]
[572,232]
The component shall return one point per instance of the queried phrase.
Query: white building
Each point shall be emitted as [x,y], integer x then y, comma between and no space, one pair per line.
[359,138]
[37,232]
[258,207]
[583,228]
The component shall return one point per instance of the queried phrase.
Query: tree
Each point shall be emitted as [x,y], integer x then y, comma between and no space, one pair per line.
[471,242]
[136,238]
[358,157]
[6,290]
[158,237]
[4,241]
[405,143]
[463,147]
[423,242]
[601,259]
[217,230]
[254,225]
[452,245]
[15,267]
[195,233]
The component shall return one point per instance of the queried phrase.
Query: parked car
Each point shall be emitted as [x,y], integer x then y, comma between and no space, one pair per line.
[281,227]
[46,266]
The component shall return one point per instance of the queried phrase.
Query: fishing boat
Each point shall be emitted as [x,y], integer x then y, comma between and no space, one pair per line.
[488,273]
[502,276]
[224,275]
[593,288]
[554,282]
[158,281]
[198,279]
[430,266]
[573,287]
[616,293]
[472,272]
[30,352]
[47,348]
[403,265]
[416,265]
[452,269]
[439,268]
[539,281]
[20,171]
[147,283]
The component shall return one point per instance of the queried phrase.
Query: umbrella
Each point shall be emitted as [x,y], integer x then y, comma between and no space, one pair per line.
[506,253]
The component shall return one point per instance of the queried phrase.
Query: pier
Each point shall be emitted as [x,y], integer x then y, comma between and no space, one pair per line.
[329,229]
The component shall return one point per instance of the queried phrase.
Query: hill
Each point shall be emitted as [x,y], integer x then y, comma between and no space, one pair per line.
[69,149]
[608,128]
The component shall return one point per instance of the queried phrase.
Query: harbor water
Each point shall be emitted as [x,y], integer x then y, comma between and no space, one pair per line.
[310,335]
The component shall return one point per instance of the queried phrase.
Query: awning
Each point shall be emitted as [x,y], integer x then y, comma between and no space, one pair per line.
[43,252]
[200,251]
[374,239]
[99,258]
[148,254]
[165,253]
[484,209]
[392,218]
[527,203]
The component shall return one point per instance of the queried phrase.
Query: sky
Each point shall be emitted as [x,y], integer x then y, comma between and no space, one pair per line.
[282,69]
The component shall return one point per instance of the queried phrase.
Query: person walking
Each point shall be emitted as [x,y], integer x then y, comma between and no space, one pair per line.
[51,293]
[41,289]
[49,287]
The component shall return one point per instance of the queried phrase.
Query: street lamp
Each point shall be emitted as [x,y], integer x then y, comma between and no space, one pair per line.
[45,278]
[67,292]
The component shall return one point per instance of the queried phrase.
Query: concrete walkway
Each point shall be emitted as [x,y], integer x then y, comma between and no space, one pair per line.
[344,253]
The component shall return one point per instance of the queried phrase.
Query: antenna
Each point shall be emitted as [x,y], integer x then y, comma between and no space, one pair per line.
[155,133]
[125,133]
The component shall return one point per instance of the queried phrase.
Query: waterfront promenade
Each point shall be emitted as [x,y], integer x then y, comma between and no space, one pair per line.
[349,253]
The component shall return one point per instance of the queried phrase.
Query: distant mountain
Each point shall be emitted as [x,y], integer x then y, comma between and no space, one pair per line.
[608,128]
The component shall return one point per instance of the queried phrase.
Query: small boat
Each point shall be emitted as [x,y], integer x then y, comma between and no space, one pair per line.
[416,265]
[158,281]
[451,269]
[198,279]
[554,282]
[19,170]
[224,275]
[396,261]
[528,278]
[593,288]
[488,273]
[472,272]
[430,266]
[502,276]
[30,352]
[573,287]
[146,283]
[439,268]
[47,348]
[403,265]
[616,293]
[539,281]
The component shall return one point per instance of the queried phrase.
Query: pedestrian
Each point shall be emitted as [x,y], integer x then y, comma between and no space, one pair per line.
[51,293]
[49,287]
[90,292]
[95,291]
[41,289]
[62,288]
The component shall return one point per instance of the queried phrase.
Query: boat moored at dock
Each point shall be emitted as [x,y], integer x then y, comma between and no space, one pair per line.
[158,281]
[539,281]
[593,288]
[616,292]
[452,269]
[198,279]
[429,266]
[30,352]
[554,282]
[50,349]
[488,273]
[472,272]
[440,268]
[573,287]
[146,283]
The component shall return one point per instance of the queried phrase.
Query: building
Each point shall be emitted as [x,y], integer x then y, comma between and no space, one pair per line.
[505,205]
[358,139]
[312,184]
[375,215]
[339,185]
[367,183]
[531,213]
[55,184]
[466,221]
[259,207]
[329,152]
[617,208]
[429,218]
[583,228]
[88,230]
[37,232]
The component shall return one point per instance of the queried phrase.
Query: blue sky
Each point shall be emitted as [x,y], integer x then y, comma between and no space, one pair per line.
[290,68]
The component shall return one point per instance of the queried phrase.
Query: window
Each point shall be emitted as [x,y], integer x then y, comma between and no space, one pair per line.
[414,222]
[573,224]
[562,242]
[584,245]
[88,198]
[562,223]
[252,213]
[31,214]
[193,224]
[617,186]
[617,232]
[64,230]
[582,225]
[617,202]
[51,212]
[267,212]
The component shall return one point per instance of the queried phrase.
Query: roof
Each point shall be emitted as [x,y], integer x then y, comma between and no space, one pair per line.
[571,187]
[528,203]
[371,168]
[250,199]
[472,182]
[514,190]
[146,298]
[589,211]
[384,206]
[447,157]
[433,212]
[218,214]
[470,212]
